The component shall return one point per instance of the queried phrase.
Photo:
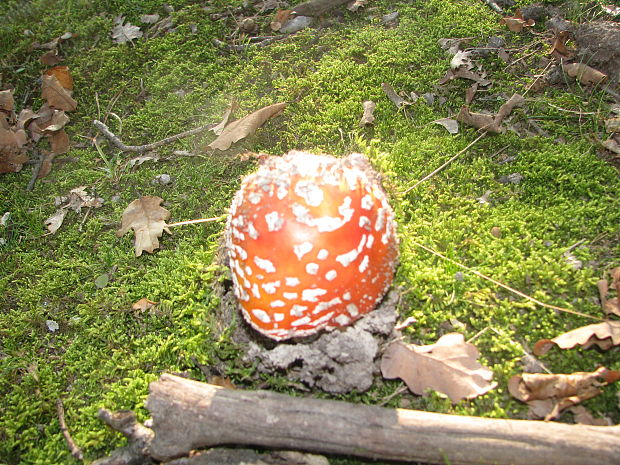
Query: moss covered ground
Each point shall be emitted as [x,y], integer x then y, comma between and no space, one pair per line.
[104,354]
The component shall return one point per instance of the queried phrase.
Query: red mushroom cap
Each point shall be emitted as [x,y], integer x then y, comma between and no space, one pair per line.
[311,242]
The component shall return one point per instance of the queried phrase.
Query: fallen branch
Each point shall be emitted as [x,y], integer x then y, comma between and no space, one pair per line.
[73,447]
[187,415]
[145,148]
[139,438]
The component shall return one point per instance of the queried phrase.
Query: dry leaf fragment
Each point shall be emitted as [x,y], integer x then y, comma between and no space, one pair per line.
[610,306]
[461,59]
[222,124]
[604,335]
[490,123]
[584,73]
[57,96]
[449,366]
[143,305]
[50,58]
[122,33]
[148,220]
[54,222]
[279,19]
[559,48]
[356,5]
[583,416]
[393,96]
[12,150]
[612,124]
[368,118]
[516,23]
[451,125]
[63,75]
[246,126]
[565,390]
[6,100]
[149,19]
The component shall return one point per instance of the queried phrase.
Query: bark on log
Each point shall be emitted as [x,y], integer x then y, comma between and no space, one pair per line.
[189,415]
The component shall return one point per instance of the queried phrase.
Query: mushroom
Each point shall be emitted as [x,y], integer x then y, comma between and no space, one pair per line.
[311,244]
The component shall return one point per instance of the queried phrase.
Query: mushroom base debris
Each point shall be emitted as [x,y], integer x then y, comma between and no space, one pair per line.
[311,243]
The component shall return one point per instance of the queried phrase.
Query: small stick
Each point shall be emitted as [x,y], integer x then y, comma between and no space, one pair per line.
[36,169]
[494,6]
[145,148]
[73,447]
[203,220]
[505,286]
[444,165]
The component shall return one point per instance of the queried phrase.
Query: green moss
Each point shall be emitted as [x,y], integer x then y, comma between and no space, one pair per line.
[104,354]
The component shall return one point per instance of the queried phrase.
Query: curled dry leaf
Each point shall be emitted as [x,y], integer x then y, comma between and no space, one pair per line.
[56,95]
[393,96]
[516,23]
[143,305]
[368,119]
[604,335]
[77,199]
[148,220]
[610,306]
[584,73]
[246,126]
[564,390]
[559,48]
[449,366]
[490,123]
[222,124]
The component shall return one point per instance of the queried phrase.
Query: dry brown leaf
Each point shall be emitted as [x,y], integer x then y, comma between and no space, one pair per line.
[449,366]
[12,150]
[57,96]
[63,75]
[51,58]
[6,100]
[52,44]
[584,417]
[490,123]
[279,19]
[143,305]
[393,96]
[516,23]
[122,33]
[222,124]
[559,48]
[584,73]
[451,125]
[368,119]
[148,220]
[55,221]
[604,335]
[246,126]
[356,5]
[565,390]
[610,306]
[59,141]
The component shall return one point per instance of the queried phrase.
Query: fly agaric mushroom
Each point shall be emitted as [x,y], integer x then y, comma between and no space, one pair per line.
[311,244]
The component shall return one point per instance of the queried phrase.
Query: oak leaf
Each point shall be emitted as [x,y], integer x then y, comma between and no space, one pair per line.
[148,220]
[563,390]
[122,33]
[246,126]
[449,366]
[604,335]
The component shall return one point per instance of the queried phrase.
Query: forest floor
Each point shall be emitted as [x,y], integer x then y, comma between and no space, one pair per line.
[535,206]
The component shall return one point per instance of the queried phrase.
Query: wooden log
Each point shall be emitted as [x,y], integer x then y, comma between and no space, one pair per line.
[189,415]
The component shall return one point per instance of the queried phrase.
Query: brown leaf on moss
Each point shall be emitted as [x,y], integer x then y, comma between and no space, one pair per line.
[610,306]
[604,335]
[449,366]
[559,48]
[59,142]
[565,390]
[245,126]
[6,100]
[57,96]
[279,19]
[51,58]
[368,119]
[63,75]
[148,220]
[12,150]
[490,123]
[217,130]
[516,23]
[143,305]
[584,73]
[583,416]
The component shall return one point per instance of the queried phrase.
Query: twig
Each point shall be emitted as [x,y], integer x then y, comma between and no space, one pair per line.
[505,286]
[494,6]
[537,78]
[445,164]
[202,220]
[145,148]
[73,447]
[36,169]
